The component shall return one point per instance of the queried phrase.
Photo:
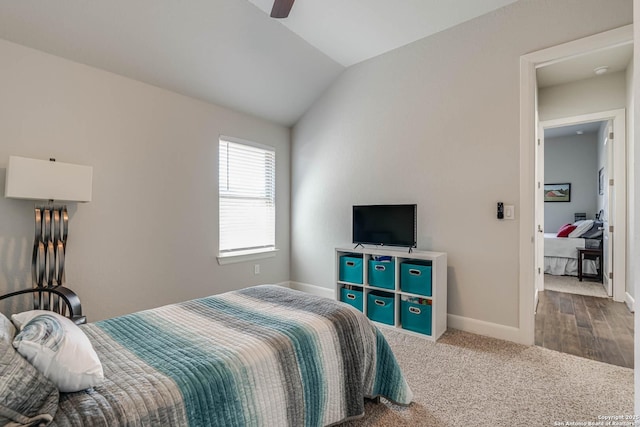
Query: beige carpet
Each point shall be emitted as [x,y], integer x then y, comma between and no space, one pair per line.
[572,285]
[469,380]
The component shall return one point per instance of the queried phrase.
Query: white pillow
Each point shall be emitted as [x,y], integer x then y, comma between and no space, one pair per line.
[581,227]
[59,349]
[7,331]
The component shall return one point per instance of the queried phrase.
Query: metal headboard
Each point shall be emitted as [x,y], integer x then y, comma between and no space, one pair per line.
[70,308]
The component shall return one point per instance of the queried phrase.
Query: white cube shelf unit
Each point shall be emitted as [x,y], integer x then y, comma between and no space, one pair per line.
[410,316]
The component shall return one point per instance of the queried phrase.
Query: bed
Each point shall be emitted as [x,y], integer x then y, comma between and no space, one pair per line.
[262,356]
[561,248]
[561,256]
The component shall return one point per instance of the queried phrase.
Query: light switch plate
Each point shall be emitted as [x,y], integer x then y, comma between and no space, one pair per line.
[509,212]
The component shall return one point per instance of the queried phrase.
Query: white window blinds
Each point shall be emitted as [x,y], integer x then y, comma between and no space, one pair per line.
[247,196]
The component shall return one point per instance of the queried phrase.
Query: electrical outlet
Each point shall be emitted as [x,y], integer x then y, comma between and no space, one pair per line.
[256,269]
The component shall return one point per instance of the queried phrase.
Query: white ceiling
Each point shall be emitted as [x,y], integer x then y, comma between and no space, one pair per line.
[582,66]
[351,31]
[222,51]
[229,52]
[585,128]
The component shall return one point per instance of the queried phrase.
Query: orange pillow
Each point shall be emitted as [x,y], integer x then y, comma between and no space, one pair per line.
[565,230]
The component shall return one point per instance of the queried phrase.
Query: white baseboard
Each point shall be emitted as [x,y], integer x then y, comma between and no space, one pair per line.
[631,303]
[480,327]
[313,289]
[286,284]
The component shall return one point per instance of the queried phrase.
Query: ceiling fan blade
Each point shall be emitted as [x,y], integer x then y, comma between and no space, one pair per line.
[281,8]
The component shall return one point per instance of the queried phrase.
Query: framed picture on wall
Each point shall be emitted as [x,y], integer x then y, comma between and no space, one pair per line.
[601,181]
[557,192]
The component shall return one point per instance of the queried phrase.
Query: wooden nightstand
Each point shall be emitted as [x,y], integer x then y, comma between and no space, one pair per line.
[594,254]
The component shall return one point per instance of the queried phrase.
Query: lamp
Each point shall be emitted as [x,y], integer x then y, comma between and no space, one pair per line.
[35,179]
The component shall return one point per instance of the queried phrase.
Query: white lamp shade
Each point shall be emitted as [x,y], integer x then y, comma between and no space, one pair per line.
[46,180]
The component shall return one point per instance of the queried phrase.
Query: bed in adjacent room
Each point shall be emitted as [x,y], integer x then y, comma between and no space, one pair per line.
[561,256]
[262,356]
[561,249]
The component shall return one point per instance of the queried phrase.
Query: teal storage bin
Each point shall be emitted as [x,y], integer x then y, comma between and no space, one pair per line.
[381,274]
[352,297]
[415,277]
[415,317]
[380,307]
[350,269]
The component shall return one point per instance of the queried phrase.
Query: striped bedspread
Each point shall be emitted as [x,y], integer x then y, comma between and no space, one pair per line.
[262,356]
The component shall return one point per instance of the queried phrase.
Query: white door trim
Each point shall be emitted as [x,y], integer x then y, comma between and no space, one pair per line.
[528,65]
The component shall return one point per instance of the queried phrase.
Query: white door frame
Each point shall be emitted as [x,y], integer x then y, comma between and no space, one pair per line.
[539,211]
[528,65]
[619,189]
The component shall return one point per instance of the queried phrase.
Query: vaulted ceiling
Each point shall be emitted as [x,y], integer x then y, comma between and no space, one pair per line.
[230,52]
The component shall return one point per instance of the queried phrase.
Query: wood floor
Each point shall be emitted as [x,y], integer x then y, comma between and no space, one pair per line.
[591,327]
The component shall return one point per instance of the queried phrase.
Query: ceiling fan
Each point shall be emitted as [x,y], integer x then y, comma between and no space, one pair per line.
[281,8]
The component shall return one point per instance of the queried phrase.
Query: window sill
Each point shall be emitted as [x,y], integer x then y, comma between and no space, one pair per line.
[242,256]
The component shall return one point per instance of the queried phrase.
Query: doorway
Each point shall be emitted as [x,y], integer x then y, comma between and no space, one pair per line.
[575,156]
[575,314]
[531,230]
[583,162]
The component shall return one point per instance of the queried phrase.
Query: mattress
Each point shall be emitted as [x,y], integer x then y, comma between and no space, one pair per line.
[263,356]
[563,247]
[561,256]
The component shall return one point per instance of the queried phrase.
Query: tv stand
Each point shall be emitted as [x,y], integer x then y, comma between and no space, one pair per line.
[359,244]
[361,290]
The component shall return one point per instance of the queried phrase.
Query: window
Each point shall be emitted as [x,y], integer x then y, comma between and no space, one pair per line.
[247,197]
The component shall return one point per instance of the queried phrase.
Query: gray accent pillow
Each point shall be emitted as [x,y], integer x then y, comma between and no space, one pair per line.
[26,396]
[594,232]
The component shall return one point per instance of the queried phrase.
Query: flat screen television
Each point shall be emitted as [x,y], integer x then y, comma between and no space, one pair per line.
[387,225]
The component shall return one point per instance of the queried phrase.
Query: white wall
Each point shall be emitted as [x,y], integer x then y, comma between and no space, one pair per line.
[602,93]
[149,237]
[571,159]
[434,123]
